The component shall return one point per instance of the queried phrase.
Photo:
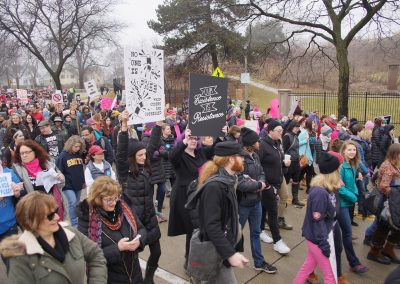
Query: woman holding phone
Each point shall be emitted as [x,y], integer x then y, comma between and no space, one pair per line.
[107,220]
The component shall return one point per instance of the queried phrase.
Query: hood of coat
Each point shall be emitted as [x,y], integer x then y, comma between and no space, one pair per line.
[27,244]
[388,128]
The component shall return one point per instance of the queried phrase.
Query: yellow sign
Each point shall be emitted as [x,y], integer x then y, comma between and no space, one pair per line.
[218,73]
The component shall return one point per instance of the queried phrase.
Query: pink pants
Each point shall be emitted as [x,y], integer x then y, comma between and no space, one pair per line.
[315,257]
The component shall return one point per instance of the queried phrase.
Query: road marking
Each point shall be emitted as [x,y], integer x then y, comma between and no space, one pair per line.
[164,275]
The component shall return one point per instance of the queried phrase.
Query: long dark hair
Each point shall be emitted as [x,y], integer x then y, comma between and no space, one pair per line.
[40,153]
[134,167]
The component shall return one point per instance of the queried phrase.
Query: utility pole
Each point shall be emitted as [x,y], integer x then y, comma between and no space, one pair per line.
[246,91]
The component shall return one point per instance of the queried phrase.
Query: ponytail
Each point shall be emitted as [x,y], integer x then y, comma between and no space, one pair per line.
[211,168]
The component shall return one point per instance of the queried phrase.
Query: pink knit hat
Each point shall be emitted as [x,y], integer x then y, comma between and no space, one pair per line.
[369,124]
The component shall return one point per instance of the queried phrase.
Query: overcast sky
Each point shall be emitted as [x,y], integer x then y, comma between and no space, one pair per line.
[135,14]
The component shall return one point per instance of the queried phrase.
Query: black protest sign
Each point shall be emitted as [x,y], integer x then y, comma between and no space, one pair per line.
[207,105]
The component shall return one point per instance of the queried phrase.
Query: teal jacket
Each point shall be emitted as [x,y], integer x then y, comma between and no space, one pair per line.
[348,192]
[305,146]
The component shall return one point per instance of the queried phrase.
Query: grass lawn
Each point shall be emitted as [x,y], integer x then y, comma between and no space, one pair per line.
[261,98]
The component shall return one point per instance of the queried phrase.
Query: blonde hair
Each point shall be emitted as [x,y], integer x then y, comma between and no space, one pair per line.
[365,134]
[329,181]
[102,187]
[32,209]
[353,162]
[211,167]
[74,139]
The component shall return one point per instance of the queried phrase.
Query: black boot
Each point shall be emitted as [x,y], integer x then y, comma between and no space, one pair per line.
[282,224]
[295,194]
[149,276]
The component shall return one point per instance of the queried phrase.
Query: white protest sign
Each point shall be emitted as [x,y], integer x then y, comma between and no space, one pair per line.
[294,101]
[144,84]
[57,98]
[47,179]
[5,185]
[22,95]
[252,124]
[91,89]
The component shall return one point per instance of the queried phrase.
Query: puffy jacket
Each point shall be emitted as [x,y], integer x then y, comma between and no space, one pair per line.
[249,181]
[348,192]
[376,153]
[386,141]
[304,146]
[29,263]
[137,190]
[154,153]
[290,144]
[271,158]
[168,144]
[115,258]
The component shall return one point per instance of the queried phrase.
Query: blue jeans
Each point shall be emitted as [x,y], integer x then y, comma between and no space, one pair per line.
[345,225]
[160,196]
[73,198]
[253,214]
[369,232]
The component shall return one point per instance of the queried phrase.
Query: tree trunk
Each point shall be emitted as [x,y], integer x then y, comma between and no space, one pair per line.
[344,78]
[81,68]
[214,55]
[57,81]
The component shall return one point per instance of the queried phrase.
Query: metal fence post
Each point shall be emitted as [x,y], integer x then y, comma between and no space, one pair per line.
[324,103]
[365,110]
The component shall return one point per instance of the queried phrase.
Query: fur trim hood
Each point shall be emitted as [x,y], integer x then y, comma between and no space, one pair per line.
[26,243]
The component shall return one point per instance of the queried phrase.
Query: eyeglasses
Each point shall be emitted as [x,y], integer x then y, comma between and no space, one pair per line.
[194,138]
[279,131]
[111,200]
[25,153]
[51,215]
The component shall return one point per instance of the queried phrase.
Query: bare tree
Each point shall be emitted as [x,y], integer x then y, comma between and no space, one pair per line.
[52,30]
[336,22]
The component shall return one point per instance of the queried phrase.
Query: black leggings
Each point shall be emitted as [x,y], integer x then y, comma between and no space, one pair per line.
[270,204]
[155,253]
[309,173]
[187,247]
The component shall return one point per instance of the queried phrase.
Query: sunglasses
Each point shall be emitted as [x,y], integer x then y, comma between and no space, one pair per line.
[51,215]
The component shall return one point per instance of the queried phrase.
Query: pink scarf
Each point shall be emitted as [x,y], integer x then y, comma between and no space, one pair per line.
[33,168]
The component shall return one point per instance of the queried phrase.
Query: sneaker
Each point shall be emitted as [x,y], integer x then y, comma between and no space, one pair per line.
[298,204]
[265,237]
[281,247]
[160,217]
[266,267]
[367,241]
[359,269]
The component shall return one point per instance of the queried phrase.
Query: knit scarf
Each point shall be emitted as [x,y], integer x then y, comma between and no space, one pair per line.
[33,168]
[96,222]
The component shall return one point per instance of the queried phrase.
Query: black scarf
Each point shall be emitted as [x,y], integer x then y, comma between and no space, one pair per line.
[61,248]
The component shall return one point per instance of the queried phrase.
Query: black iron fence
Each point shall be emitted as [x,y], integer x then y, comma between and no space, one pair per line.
[363,106]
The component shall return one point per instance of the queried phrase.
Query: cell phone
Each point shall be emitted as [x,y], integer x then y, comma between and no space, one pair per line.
[137,237]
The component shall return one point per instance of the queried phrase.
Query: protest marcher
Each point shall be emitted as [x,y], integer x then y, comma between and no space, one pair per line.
[92,137]
[272,160]
[51,142]
[187,159]
[47,251]
[97,166]
[133,174]
[383,244]
[158,177]
[377,134]
[387,139]
[107,129]
[307,140]
[319,220]
[9,151]
[75,120]
[8,222]
[233,134]
[16,124]
[117,129]
[323,141]
[290,144]
[69,125]
[37,114]
[108,221]
[70,164]
[85,115]
[168,141]
[348,197]
[251,183]
[218,208]
[31,123]
[31,159]
[58,128]
[233,116]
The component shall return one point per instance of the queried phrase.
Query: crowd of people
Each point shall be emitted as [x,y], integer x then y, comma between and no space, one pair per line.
[100,208]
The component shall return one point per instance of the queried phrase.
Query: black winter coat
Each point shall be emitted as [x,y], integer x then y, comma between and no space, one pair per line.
[115,258]
[290,144]
[137,190]
[219,215]
[156,163]
[168,144]
[11,131]
[386,141]
[250,181]
[376,153]
[271,158]
[187,169]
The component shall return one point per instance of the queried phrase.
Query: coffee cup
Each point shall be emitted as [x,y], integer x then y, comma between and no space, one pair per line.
[287,157]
